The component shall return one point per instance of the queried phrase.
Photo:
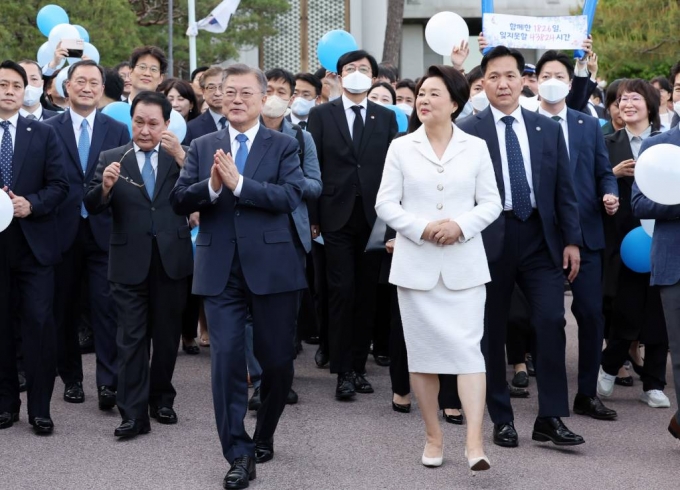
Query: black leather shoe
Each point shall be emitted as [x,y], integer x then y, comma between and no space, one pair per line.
[264,451]
[593,407]
[22,381]
[553,429]
[292,398]
[520,379]
[164,415]
[86,341]
[383,361]
[7,419]
[73,393]
[453,419]
[401,408]
[312,340]
[41,425]
[531,370]
[191,349]
[345,388]
[627,381]
[107,397]
[240,474]
[505,435]
[255,401]
[132,428]
[361,384]
[518,392]
[673,427]
[321,357]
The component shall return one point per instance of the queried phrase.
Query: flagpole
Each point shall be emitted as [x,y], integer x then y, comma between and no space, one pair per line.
[171,61]
[192,39]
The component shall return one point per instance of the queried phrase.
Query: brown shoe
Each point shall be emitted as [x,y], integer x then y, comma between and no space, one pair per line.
[674,427]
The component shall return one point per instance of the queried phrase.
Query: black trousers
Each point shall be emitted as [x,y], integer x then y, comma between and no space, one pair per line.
[273,333]
[31,287]
[520,337]
[191,313]
[527,262]
[320,295]
[85,262]
[381,330]
[653,368]
[308,321]
[352,280]
[670,298]
[149,318]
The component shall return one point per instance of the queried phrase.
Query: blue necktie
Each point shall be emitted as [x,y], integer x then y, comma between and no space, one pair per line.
[147,174]
[6,154]
[519,187]
[84,154]
[242,153]
[223,122]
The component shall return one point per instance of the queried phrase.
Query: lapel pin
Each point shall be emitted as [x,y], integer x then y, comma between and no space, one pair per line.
[372,117]
[28,129]
[538,128]
[580,121]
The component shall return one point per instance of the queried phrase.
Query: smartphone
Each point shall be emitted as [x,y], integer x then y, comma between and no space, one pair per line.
[74,47]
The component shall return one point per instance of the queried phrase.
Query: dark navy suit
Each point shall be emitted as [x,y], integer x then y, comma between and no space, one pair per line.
[247,258]
[200,126]
[28,252]
[529,253]
[593,178]
[84,245]
[665,254]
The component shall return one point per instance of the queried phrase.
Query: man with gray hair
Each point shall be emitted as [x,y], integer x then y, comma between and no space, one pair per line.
[246,180]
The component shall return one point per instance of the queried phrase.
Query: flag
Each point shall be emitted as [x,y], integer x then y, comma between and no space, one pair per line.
[218,20]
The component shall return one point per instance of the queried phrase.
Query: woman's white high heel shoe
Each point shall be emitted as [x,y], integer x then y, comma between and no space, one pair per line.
[433,462]
[478,464]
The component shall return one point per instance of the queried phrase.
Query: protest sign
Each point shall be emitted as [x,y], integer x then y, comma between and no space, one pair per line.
[516,31]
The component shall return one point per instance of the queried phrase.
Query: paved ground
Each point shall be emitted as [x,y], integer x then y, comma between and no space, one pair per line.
[322,444]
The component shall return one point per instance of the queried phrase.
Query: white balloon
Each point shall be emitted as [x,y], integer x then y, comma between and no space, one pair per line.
[444,31]
[648,226]
[657,173]
[91,52]
[59,81]
[44,56]
[6,210]
[178,126]
[62,31]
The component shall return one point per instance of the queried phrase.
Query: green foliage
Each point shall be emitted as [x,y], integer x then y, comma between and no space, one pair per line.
[116,27]
[636,38]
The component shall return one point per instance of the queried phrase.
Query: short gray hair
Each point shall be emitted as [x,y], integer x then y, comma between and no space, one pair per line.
[243,69]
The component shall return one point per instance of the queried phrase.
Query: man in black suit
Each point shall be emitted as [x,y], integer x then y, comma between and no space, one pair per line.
[526,245]
[212,119]
[31,108]
[32,173]
[149,262]
[84,240]
[148,65]
[352,135]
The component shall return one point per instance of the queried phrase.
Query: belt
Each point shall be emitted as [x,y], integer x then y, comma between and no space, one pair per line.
[511,214]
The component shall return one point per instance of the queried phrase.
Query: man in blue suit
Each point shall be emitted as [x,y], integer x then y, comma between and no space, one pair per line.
[32,173]
[212,119]
[665,262]
[526,245]
[595,187]
[247,258]
[84,240]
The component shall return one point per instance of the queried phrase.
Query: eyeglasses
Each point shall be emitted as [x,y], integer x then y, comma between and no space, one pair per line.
[213,88]
[230,94]
[80,82]
[635,99]
[363,69]
[143,69]
[125,178]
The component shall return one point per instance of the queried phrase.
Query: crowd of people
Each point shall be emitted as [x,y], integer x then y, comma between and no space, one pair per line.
[443,251]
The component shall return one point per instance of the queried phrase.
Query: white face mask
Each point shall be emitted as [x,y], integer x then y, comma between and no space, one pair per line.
[275,106]
[529,103]
[479,101]
[467,110]
[676,108]
[32,95]
[553,91]
[301,107]
[356,83]
[408,110]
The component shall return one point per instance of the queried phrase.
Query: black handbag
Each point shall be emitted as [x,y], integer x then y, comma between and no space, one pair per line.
[376,242]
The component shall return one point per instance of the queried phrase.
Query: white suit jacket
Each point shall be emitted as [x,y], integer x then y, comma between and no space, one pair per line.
[417,188]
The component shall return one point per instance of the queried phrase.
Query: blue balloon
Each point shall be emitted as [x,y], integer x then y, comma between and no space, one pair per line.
[120,111]
[636,250]
[50,16]
[178,126]
[402,120]
[603,122]
[84,35]
[332,46]
[487,8]
[589,8]
[194,234]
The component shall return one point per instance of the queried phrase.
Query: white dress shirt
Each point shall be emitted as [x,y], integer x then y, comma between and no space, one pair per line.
[216,117]
[12,129]
[295,120]
[38,113]
[563,121]
[141,158]
[77,121]
[521,131]
[235,145]
[350,114]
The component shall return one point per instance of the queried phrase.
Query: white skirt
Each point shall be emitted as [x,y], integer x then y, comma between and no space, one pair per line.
[443,329]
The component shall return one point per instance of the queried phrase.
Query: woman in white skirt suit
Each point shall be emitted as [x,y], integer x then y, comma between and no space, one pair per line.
[439,191]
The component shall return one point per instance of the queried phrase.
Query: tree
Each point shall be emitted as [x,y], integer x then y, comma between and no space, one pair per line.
[392,44]
[636,38]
